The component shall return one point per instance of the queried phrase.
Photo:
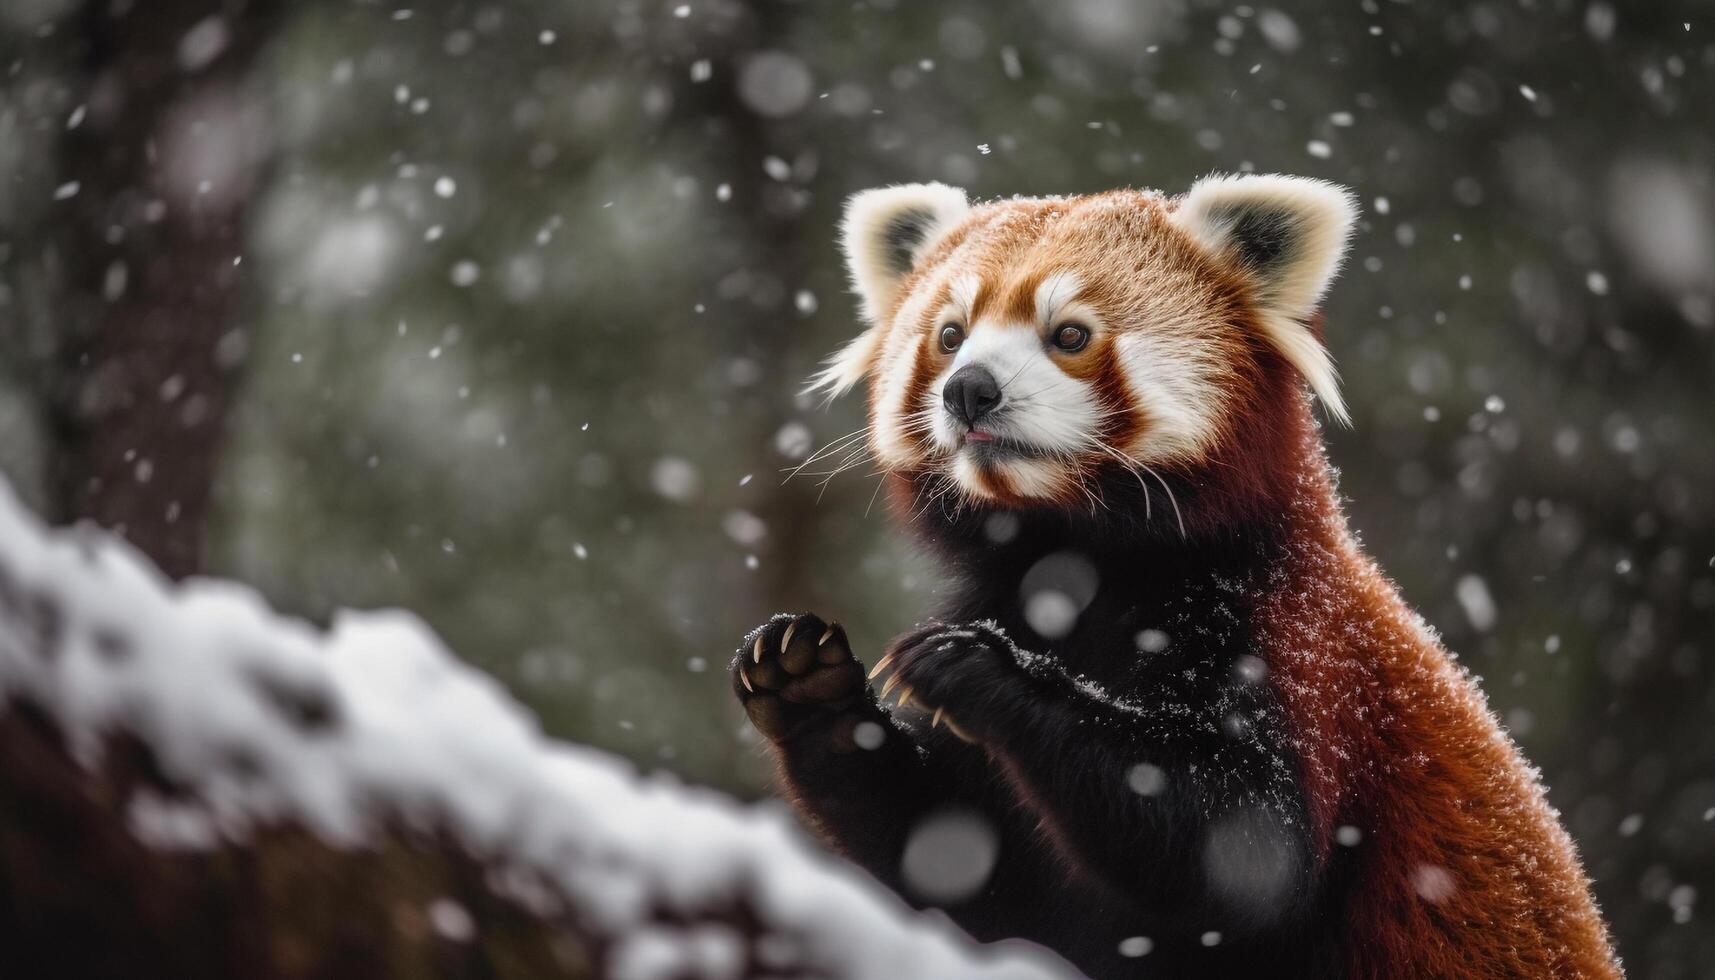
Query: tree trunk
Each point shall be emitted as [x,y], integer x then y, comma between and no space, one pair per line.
[159,170]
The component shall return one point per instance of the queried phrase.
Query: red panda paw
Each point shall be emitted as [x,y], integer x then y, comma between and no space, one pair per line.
[953,674]
[794,671]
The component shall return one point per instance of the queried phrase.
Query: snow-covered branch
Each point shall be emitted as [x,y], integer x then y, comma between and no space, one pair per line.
[192,785]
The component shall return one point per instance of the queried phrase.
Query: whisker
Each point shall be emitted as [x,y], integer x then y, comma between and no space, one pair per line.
[851,456]
[1094,500]
[876,493]
[1048,387]
[837,445]
[912,511]
[851,459]
[1130,467]
[1177,516]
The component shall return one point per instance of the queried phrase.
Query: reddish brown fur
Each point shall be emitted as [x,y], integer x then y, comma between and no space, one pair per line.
[1466,869]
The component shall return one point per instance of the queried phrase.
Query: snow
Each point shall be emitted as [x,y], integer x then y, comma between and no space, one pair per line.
[375,718]
[676,479]
[1135,946]
[1249,859]
[203,43]
[1146,779]
[1280,30]
[1479,605]
[1056,590]
[775,84]
[1433,883]
[1051,613]
[1661,218]
[950,855]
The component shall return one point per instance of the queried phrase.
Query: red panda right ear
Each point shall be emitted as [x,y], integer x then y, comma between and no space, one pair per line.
[884,232]
[1287,237]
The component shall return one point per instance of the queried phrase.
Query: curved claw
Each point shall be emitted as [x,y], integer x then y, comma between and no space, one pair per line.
[963,735]
[786,638]
[744,675]
[881,665]
[905,696]
[756,650]
[827,634]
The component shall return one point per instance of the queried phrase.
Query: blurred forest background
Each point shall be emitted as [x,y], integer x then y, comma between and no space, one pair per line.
[498,312]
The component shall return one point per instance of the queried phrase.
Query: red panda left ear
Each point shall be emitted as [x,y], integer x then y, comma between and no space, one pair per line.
[885,231]
[1287,236]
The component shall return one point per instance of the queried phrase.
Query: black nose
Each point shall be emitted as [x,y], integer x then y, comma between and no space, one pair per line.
[971,393]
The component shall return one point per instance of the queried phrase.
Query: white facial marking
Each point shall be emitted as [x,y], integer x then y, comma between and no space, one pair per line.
[1053,294]
[1040,404]
[1173,377]
[1042,407]
[1035,477]
[962,297]
[894,420]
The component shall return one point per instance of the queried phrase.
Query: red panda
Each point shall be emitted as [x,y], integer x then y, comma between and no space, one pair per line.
[1198,729]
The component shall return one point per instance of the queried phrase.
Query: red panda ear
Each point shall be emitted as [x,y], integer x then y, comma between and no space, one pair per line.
[1287,235]
[884,232]
[886,229]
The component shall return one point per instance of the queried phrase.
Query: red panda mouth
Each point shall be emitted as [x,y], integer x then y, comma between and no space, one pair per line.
[988,447]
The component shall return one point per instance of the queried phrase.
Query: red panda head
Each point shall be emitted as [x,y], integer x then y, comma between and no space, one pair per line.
[1044,352]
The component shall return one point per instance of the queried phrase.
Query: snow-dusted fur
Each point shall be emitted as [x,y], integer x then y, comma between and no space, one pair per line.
[1207,734]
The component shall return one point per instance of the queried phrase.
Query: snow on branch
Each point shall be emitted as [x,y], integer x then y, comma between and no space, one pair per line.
[360,802]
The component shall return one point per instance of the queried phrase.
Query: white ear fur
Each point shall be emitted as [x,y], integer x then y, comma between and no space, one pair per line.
[886,229]
[1289,235]
[884,232]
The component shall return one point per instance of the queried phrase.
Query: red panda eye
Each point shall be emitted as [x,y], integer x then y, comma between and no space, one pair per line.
[951,337]
[1071,337]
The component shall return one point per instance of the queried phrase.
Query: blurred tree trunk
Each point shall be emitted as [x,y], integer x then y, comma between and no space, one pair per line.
[768,164]
[159,167]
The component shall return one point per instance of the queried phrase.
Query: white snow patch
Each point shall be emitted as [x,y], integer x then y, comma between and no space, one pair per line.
[203,671]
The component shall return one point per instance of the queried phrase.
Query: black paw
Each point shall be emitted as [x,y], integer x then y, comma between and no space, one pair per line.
[793,671]
[952,673]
